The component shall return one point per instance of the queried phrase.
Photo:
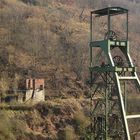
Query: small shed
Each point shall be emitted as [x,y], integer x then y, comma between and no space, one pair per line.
[35,89]
[33,83]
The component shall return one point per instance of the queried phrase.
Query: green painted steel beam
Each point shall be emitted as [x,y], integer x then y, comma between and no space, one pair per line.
[101,43]
[112,10]
[117,43]
[114,43]
[108,68]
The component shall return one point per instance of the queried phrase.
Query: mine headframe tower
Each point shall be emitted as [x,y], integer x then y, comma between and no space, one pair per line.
[108,81]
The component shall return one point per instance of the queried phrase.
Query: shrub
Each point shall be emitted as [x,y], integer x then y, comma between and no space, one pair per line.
[18,128]
[5,128]
[67,134]
[82,122]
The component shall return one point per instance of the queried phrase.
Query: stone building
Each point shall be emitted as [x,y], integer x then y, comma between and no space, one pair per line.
[35,89]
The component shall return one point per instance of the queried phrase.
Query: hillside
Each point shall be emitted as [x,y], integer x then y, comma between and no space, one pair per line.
[50,38]
[36,32]
[35,38]
[51,120]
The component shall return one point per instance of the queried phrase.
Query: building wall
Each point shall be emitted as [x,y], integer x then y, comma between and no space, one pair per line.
[35,89]
[39,95]
[37,83]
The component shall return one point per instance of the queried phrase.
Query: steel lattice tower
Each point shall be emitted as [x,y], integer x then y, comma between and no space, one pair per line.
[108,82]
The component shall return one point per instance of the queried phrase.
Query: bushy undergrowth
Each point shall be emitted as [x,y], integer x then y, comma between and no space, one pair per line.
[36,34]
[11,128]
[82,122]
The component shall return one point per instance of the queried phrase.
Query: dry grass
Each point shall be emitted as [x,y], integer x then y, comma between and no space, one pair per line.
[56,33]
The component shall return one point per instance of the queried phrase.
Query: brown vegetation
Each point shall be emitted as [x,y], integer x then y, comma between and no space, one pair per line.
[50,37]
[53,120]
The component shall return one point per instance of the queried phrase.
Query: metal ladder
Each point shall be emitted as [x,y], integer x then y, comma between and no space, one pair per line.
[123,110]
